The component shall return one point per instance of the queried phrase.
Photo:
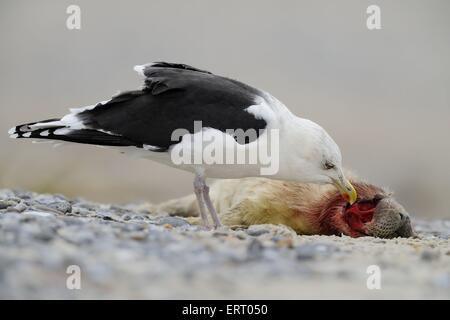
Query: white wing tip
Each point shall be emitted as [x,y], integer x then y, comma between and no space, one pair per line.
[12,131]
[140,69]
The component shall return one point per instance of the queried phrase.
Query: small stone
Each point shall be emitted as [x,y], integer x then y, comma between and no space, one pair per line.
[255,250]
[20,194]
[38,213]
[80,212]
[126,217]
[173,221]
[240,235]
[4,204]
[21,207]
[86,206]
[61,206]
[257,230]
[285,242]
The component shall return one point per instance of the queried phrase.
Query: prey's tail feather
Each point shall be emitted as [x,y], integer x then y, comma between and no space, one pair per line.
[54,129]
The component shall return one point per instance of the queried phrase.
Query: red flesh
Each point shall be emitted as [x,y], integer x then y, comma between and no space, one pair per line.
[359,213]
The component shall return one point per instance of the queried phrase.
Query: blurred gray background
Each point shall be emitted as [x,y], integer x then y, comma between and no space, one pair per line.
[383,95]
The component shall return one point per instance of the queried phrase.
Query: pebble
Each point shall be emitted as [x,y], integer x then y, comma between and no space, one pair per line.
[255,250]
[126,217]
[4,204]
[79,211]
[20,207]
[284,242]
[257,230]
[61,206]
[38,213]
[173,221]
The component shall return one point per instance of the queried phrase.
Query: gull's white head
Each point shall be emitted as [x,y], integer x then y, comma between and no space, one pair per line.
[316,158]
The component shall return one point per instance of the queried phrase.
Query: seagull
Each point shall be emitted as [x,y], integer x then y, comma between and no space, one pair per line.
[182,111]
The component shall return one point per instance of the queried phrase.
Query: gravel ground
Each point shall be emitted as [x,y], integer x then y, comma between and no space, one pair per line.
[126,252]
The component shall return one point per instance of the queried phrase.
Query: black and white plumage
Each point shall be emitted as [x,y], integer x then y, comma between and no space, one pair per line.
[174,96]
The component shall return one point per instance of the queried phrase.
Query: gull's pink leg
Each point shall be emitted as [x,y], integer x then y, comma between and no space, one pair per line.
[198,190]
[210,207]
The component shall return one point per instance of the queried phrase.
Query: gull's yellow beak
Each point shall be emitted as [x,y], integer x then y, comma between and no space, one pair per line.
[346,189]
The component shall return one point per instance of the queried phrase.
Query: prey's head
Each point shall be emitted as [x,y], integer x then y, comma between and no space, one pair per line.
[376,213]
[322,160]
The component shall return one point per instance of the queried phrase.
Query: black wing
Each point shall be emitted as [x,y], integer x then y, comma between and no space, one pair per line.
[174,96]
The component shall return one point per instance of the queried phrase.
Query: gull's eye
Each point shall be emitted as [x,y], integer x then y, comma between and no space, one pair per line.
[328,165]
